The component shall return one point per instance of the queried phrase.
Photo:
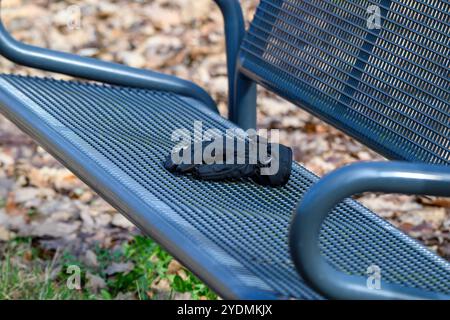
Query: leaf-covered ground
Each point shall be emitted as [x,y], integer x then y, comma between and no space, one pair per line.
[49,218]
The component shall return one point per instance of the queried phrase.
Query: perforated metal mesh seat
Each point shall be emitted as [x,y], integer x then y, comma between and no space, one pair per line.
[233,234]
[389,87]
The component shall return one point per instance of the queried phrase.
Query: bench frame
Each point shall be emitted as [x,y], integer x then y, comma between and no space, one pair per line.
[321,198]
[399,177]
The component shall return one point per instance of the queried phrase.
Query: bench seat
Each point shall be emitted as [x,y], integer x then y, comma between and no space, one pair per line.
[233,235]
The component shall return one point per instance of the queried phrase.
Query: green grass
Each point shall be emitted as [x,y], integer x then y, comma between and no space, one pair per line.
[25,275]
[29,272]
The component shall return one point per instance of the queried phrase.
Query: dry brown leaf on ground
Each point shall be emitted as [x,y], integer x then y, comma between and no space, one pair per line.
[95,282]
[116,267]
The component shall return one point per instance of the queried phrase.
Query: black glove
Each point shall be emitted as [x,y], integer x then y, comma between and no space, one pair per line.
[242,162]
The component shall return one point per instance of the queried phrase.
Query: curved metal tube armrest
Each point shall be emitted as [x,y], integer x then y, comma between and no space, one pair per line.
[97,70]
[318,202]
[241,90]
[234,33]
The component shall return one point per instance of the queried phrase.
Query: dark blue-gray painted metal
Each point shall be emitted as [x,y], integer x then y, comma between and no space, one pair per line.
[241,90]
[322,198]
[389,87]
[97,70]
[243,111]
[116,139]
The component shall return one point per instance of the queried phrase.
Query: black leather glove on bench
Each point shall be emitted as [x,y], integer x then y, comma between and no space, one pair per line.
[268,164]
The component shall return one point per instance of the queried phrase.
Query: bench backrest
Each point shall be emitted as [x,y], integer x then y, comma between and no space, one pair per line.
[387,85]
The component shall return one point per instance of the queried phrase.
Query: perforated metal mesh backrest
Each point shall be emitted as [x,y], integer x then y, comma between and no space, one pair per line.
[388,87]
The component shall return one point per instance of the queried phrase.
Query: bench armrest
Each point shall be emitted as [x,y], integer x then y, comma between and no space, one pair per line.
[97,70]
[318,202]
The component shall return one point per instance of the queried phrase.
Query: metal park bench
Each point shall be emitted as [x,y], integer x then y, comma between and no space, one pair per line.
[387,86]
